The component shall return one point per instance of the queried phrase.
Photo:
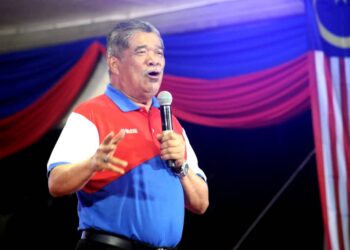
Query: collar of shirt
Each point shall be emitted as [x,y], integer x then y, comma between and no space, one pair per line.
[123,102]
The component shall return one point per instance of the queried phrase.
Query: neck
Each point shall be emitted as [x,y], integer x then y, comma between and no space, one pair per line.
[147,103]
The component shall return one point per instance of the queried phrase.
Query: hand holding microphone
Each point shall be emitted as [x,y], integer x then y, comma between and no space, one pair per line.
[172,144]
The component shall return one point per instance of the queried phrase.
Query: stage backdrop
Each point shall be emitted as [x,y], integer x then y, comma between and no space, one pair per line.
[260,71]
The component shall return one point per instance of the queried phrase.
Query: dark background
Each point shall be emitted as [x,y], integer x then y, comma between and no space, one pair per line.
[245,170]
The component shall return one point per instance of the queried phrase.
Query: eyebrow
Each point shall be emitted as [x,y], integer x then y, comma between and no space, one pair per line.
[145,47]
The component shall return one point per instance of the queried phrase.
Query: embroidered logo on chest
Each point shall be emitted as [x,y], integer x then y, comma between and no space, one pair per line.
[131,130]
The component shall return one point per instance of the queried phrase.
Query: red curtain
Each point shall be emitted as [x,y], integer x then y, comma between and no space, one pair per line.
[253,100]
[27,126]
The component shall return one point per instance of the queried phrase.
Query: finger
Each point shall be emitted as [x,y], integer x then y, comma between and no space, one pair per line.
[166,135]
[176,150]
[161,137]
[172,156]
[116,169]
[109,166]
[116,165]
[106,149]
[171,150]
[117,161]
[108,138]
[119,136]
[171,144]
[171,153]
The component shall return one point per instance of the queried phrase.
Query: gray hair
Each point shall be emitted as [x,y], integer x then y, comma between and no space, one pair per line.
[118,38]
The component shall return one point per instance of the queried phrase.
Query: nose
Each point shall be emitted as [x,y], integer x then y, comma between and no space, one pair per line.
[153,59]
[151,63]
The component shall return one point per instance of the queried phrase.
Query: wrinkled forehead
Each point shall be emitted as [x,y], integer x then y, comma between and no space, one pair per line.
[149,39]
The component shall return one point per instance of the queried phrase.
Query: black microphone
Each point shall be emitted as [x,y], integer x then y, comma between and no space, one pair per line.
[165,99]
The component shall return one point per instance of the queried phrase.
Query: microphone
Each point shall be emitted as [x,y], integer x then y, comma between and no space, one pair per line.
[165,99]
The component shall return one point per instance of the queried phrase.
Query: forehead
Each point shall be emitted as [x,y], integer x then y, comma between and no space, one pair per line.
[145,38]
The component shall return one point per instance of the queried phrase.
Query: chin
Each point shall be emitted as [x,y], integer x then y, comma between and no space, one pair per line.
[155,88]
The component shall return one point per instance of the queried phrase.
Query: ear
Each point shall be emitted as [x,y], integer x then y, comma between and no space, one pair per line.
[113,64]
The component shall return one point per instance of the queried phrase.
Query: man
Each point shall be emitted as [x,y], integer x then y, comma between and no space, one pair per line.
[113,154]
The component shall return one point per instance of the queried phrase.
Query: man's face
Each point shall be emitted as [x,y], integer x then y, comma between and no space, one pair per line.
[140,68]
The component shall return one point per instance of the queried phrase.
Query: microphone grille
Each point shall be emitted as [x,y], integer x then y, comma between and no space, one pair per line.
[164,98]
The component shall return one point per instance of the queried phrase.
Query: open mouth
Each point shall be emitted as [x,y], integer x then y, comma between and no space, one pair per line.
[153,73]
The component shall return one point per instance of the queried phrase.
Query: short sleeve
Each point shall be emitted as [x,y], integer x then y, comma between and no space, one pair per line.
[78,141]
[192,158]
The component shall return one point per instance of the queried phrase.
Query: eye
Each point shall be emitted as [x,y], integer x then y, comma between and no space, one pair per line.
[140,52]
[160,52]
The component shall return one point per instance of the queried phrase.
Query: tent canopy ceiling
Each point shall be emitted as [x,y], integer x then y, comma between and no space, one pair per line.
[37,23]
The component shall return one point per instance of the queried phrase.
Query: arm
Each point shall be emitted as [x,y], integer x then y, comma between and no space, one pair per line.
[173,146]
[69,178]
[196,192]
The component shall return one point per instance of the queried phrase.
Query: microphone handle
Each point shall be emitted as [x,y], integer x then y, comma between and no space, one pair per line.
[167,125]
[166,118]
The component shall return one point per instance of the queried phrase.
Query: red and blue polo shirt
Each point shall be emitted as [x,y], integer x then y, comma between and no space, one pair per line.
[147,202]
